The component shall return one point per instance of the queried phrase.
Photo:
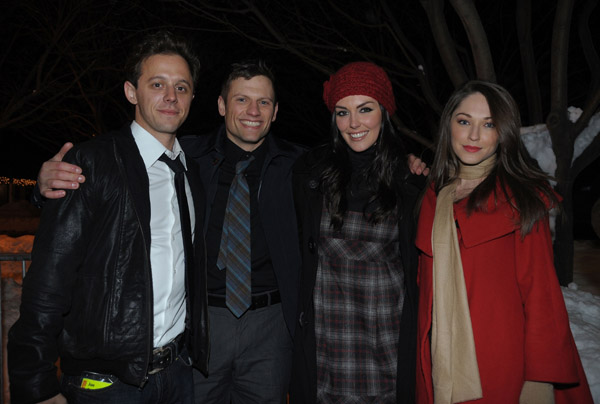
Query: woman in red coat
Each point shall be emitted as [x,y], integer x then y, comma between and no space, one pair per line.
[492,324]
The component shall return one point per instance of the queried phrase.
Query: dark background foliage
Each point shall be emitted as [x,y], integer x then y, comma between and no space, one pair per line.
[61,62]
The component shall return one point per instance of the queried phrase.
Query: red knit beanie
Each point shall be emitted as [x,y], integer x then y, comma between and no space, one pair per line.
[360,78]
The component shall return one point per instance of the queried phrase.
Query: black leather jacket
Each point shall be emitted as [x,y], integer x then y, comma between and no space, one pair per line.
[88,294]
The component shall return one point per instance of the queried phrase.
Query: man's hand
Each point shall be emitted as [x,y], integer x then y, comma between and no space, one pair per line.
[417,166]
[59,398]
[55,175]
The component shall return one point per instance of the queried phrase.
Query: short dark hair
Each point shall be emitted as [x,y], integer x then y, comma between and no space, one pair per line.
[248,69]
[160,43]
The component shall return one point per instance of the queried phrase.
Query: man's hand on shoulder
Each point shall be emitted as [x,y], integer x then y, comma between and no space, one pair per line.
[57,399]
[55,175]
[417,166]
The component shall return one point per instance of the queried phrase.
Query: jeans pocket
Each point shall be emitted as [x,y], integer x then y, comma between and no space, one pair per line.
[89,388]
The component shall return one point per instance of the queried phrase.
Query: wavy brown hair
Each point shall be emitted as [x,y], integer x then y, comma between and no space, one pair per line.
[523,183]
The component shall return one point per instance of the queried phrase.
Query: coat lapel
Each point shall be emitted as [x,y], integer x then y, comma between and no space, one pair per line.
[199,196]
[479,227]
[128,156]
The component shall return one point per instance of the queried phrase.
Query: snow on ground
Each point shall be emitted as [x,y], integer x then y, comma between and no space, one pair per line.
[539,145]
[583,308]
[588,134]
[584,316]
[537,140]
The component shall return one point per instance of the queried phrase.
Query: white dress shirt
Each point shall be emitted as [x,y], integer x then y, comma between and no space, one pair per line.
[167,257]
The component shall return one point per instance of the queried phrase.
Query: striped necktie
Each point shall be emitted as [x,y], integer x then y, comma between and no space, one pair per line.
[234,253]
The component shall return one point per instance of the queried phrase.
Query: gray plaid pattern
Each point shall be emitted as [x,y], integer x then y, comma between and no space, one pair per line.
[358,299]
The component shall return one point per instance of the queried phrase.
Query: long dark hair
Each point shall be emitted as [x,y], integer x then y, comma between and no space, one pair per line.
[384,174]
[522,181]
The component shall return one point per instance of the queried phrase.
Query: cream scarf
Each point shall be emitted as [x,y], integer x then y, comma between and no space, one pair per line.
[454,361]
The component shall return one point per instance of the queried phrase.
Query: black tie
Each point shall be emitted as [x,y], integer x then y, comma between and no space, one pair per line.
[184,212]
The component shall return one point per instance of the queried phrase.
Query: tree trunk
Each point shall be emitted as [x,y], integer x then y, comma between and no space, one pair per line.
[587,42]
[562,140]
[445,44]
[530,79]
[563,238]
[480,47]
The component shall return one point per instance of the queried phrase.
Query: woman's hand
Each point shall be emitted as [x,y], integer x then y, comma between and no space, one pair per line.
[536,393]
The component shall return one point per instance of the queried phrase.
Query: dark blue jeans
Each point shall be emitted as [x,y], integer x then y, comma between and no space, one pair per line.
[173,385]
[250,358]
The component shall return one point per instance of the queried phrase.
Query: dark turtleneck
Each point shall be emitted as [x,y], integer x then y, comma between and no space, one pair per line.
[359,192]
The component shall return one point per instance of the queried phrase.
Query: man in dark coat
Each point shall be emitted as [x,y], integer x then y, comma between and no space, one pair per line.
[250,357]
[250,354]
[109,288]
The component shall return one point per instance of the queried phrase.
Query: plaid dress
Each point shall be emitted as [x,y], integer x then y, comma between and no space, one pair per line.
[358,299]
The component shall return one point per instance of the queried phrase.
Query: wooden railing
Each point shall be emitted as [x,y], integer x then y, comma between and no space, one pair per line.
[24,258]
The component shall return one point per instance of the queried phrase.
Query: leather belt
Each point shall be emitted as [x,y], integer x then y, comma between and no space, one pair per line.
[163,356]
[258,301]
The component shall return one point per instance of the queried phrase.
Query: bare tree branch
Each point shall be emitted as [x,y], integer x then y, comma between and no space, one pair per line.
[589,110]
[587,42]
[477,38]
[588,156]
[443,40]
[560,50]
[416,59]
[534,96]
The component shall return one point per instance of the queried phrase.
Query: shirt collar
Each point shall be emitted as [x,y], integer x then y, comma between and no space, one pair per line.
[233,153]
[151,149]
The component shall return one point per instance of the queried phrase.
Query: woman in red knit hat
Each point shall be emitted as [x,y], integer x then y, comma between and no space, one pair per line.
[354,198]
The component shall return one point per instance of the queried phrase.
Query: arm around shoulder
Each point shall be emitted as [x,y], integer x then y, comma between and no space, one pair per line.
[56,176]
[46,298]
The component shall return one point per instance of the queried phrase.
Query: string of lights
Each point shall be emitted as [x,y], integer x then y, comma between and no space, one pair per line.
[23,182]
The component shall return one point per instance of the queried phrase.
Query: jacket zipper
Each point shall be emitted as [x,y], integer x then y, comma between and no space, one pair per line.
[149,331]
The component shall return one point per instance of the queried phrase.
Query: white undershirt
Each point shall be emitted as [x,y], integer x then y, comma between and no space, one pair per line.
[166,249]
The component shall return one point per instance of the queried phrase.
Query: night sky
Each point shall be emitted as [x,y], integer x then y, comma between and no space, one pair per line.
[62,62]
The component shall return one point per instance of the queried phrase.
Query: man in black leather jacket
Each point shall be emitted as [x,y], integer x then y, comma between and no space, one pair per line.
[121,306]
[250,356]
[249,106]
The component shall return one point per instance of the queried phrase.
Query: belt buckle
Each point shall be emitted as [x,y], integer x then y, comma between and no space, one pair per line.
[165,358]
[263,300]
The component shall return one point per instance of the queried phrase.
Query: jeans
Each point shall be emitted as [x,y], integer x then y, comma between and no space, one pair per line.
[250,358]
[173,385]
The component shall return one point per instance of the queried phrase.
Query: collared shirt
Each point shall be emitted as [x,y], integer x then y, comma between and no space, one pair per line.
[167,257]
[263,274]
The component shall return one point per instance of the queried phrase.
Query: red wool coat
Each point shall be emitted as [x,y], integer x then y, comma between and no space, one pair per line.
[519,319]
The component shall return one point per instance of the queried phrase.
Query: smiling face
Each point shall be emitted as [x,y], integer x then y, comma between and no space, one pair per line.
[358,118]
[163,96]
[249,111]
[474,136]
